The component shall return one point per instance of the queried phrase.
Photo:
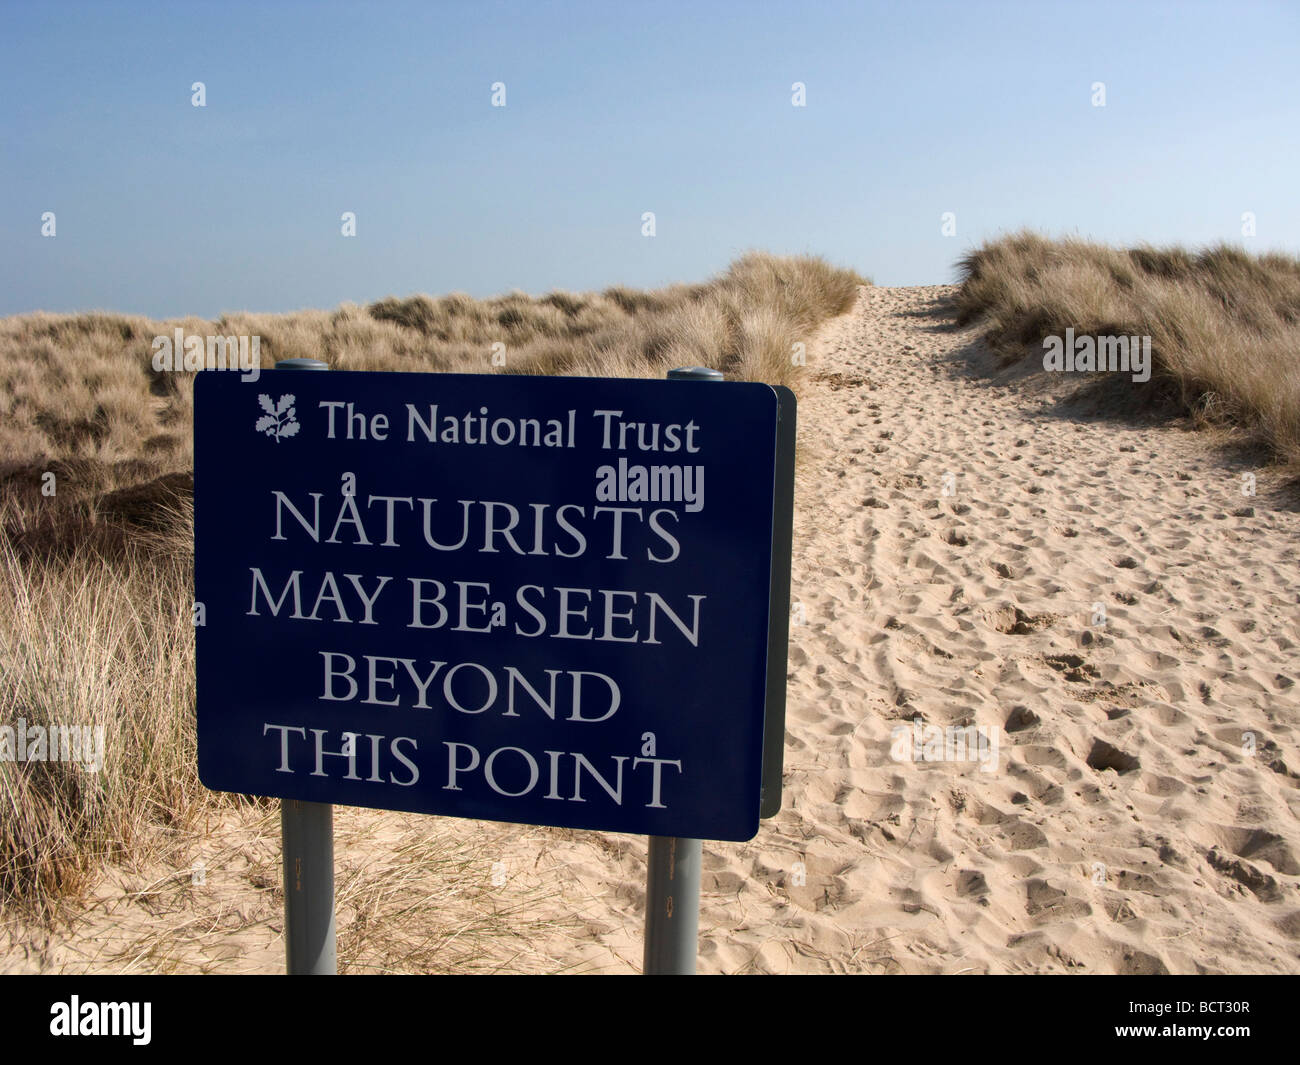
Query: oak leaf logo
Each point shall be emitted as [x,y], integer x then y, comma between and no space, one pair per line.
[279,420]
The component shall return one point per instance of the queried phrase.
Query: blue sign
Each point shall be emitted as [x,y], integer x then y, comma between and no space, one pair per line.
[531,599]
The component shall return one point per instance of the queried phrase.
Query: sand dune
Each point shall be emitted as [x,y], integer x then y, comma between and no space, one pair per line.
[1142,812]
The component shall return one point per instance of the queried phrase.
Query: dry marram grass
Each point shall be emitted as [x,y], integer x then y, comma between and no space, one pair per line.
[1224,324]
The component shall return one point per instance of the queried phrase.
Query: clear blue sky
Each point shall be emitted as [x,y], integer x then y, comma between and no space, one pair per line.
[612,109]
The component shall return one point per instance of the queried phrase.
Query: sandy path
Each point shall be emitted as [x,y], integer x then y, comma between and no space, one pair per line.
[1142,812]
[977,607]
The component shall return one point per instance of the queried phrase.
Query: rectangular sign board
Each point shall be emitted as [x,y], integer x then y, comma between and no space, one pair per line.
[541,600]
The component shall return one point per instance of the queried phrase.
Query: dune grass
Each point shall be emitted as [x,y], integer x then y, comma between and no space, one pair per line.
[96,563]
[1224,324]
[108,646]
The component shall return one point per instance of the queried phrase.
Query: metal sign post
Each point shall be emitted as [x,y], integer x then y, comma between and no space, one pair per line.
[672,906]
[672,889]
[307,835]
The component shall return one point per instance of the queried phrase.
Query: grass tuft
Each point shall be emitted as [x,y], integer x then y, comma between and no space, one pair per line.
[1224,324]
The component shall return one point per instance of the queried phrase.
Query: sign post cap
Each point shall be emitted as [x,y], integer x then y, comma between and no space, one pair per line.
[301,364]
[694,373]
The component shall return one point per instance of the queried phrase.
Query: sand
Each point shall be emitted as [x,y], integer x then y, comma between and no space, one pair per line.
[1098,597]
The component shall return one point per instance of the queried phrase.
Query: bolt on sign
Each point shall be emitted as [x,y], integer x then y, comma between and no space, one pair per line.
[529,599]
